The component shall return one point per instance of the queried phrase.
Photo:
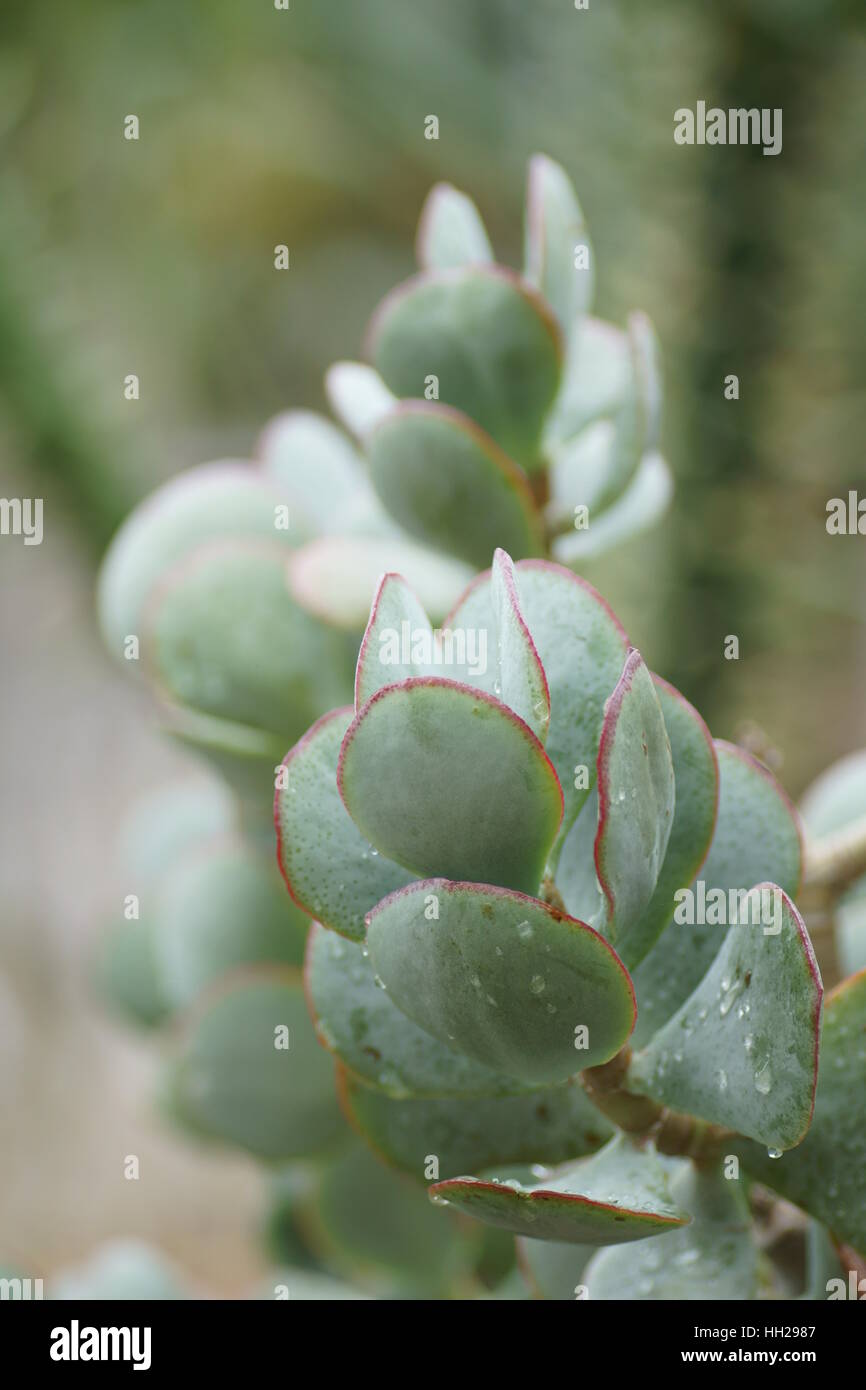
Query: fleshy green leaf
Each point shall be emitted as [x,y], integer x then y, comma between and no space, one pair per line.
[446,481]
[581,646]
[636,797]
[226,638]
[236,1080]
[358,395]
[447,780]
[554,230]
[315,465]
[217,500]
[837,797]
[373,1222]
[756,840]
[451,232]
[222,907]
[595,378]
[696,775]
[490,341]
[523,684]
[644,501]
[824,1174]
[503,977]
[375,1040]
[742,1051]
[714,1257]
[620,1194]
[331,871]
[165,824]
[335,578]
[398,642]
[467,1135]
[128,975]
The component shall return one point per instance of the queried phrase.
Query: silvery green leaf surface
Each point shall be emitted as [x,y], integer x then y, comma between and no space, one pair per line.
[450,231]
[742,1051]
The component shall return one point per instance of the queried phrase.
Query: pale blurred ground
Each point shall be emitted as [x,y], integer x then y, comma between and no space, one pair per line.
[75,1089]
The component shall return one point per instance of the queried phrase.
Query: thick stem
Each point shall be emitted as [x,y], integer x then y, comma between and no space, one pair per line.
[645,1119]
[835,861]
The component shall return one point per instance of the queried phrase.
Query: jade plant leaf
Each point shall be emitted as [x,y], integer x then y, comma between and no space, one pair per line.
[316,466]
[225,637]
[742,1051]
[166,824]
[595,379]
[450,231]
[398,642]
[334,578]
[250,1071]
[636,797]
[331,871]
[358,396]
[522,680]
[619,1194]
[244,758]
[222,907]
[696,777]
[446,780]
[581,646]
[490,341]
[216,500]
[824,1174]
[355,1018]
[643,503]
[555,231]
[466,1135]
[128,975]
[373,1224]
[714,1257]
[836,804]
[503,977]
[447,483]
[756,840]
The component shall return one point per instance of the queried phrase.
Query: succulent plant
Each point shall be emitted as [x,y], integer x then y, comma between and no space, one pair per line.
[540,869]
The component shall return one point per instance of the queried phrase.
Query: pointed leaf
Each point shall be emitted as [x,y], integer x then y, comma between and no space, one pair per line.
[824,1174]
[620,1194]
[595,378]
[491,342]
[335,578]
[523,684]
[467,1135]
[756,840]
[235,1081]
[445,481]
[554,230]
[742,1051]
[474,795]
[636,797]
[358,395]
[226,638]
[581,647]
[355,1018]
[451,232]
[398,642]
[503,977]
[217,500]
[641,505]
[714,1257]
[331,871]
[696,775]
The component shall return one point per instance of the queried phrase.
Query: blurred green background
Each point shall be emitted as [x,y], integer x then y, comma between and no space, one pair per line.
[156,257]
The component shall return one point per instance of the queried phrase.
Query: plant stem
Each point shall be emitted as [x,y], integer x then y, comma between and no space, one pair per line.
[645,1120]
[835,861]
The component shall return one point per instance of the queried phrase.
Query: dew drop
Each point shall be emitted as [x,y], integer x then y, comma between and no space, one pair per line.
[774,1153]
[524,931]
[538,984]
[764,1079]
